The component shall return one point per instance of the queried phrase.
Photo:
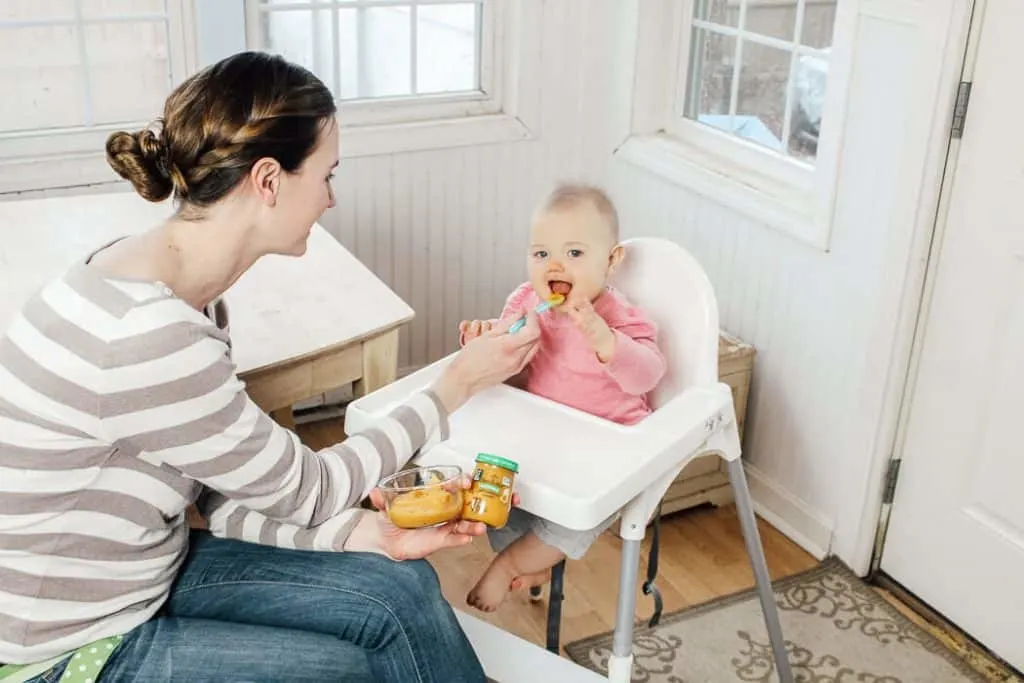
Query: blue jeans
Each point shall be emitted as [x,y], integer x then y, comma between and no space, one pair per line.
[246,612]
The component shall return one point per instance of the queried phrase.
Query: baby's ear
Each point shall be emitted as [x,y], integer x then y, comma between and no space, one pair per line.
[616,257]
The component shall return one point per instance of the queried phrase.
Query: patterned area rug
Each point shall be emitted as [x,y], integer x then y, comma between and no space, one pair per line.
[837,630]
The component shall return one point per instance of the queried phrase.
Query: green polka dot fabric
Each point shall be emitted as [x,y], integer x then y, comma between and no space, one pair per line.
[84,664]
[87,662]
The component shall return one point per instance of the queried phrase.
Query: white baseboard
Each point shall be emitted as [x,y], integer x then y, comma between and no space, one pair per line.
[790,515]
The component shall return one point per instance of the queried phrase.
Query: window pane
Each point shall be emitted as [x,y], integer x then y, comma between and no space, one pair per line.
[373,57]
[809,88]
[41,78]
[129,70]
[291,35]
[710,84]
[774,20]
[385,56]
[348,55]
[763,76]
[31,10]
[761,100]
[446,48]
[724,12]
[819,20]
[113,8]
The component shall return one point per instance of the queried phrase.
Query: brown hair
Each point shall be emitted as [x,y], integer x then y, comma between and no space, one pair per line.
[218,123]
[568,196]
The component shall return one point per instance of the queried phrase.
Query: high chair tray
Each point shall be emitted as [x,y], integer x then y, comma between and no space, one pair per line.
[575,469]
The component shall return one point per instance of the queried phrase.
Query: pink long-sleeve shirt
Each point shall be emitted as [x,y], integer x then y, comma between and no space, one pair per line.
[567,370]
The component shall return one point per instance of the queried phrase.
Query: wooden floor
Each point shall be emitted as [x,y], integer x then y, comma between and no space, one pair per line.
[702,557]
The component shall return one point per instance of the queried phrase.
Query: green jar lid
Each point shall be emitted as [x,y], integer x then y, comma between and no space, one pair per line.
[497,461]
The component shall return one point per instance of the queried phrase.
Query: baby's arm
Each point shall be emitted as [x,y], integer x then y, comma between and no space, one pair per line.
[637,364]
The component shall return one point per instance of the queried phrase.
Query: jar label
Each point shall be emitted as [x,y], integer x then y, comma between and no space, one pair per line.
[490,488]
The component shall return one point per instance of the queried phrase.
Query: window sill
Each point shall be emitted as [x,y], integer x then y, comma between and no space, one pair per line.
[57,172]
[24,172]
[416,136]
[765,199]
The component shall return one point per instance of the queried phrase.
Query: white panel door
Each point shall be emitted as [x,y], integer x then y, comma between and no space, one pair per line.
[956,534]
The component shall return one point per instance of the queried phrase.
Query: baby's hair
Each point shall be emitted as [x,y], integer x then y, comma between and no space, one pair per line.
[569,195]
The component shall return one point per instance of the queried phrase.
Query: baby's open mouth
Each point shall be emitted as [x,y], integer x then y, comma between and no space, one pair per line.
[560,287]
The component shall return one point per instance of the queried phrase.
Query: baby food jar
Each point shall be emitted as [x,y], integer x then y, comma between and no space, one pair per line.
[490,499]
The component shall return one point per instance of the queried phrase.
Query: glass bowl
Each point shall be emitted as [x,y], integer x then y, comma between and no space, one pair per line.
[423,496]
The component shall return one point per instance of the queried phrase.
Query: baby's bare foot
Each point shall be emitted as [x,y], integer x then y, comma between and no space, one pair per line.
[491,589]
[531,580]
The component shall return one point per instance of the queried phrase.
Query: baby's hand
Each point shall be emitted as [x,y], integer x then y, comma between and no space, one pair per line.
[593,327]
[471,329]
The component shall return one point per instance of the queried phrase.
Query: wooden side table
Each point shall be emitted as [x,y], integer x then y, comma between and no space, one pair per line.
[300,326]
[304,326]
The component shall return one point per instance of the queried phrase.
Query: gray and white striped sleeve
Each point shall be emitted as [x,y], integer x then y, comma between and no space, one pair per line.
[188,411]
[422,418]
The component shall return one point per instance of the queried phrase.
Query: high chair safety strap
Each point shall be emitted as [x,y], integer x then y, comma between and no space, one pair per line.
[652,571]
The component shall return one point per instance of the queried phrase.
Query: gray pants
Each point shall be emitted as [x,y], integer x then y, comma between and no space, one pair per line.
[570,541]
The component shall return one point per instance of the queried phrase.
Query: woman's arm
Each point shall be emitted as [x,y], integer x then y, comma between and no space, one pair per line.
[383,448]
[188,411]
[182,407]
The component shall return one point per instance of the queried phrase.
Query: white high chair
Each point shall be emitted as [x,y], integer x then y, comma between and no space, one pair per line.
[576,469]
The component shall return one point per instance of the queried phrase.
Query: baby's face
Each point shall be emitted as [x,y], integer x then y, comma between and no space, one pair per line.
[572,252]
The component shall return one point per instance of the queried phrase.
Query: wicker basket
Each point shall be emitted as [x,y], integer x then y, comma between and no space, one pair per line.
[706,480]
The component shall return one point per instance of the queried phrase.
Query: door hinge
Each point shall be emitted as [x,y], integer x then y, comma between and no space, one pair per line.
[890,481]
[963,98]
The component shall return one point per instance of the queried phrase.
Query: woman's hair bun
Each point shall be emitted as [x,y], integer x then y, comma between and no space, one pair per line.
[141,159]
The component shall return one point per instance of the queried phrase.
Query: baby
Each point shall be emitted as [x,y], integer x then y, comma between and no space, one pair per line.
[598,353]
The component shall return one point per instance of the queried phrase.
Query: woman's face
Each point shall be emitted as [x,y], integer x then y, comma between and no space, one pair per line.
[304,195]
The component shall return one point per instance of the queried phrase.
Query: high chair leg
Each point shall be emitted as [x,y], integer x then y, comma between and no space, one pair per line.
[620,664]
[555,606]
[755,551]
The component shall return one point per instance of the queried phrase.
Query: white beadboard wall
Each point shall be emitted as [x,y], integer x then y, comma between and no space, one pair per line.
[832,328]
[446,229]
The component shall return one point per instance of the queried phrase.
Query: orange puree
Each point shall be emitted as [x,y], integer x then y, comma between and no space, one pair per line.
[425,507]
[490,499]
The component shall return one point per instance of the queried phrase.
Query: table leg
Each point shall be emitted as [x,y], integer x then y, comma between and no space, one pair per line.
[195,520]
[284,417]
[380,363]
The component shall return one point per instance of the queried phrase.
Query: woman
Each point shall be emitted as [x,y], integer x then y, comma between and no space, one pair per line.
[120,407]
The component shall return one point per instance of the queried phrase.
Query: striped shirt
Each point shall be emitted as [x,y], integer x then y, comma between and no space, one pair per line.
[119,407]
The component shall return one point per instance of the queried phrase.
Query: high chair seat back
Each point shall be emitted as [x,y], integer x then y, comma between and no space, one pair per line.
[664,280]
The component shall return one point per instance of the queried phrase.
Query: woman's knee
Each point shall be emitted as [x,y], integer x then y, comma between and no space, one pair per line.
[415,583]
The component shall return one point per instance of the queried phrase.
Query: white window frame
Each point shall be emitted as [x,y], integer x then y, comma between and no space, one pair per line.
[56,158]
[204,31]
[504,111]
[785,193]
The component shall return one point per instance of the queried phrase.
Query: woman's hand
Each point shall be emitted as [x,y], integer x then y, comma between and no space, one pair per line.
[376,533]
[487,360]
[471,329]
[414,544]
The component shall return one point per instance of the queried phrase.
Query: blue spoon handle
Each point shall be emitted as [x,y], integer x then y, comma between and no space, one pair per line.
[521,323]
